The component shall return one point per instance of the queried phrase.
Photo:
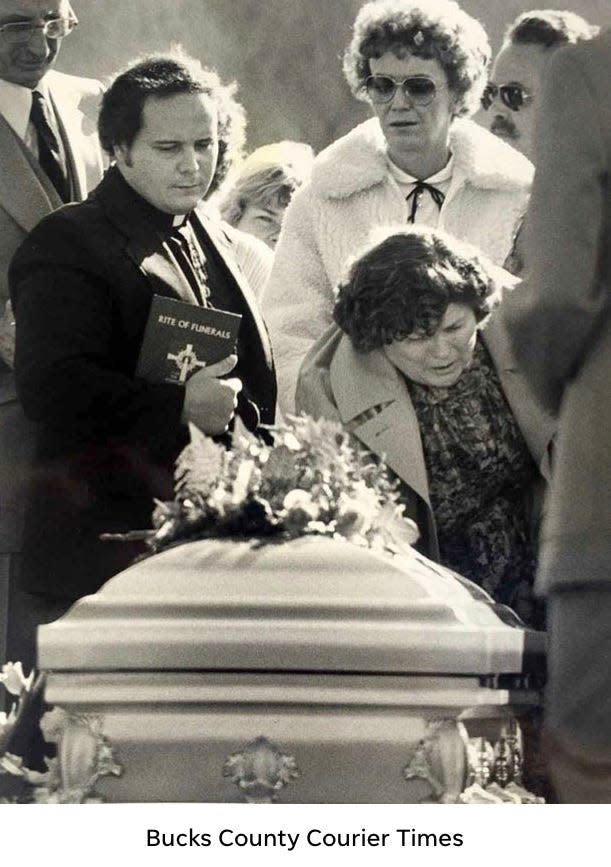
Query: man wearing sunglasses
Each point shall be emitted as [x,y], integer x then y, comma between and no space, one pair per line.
[49,154]
[511,95]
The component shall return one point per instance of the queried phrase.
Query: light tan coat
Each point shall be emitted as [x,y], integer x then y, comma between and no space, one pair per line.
[370,397]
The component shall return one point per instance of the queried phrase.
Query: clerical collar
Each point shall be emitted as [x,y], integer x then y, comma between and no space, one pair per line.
[444,175]
[163,221]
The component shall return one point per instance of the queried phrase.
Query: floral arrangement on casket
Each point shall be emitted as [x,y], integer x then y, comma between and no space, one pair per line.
[313,480]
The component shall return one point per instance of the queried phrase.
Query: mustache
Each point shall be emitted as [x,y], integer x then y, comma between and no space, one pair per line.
[503,126]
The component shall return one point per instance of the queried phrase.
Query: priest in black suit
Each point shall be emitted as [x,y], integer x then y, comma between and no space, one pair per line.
[82,285]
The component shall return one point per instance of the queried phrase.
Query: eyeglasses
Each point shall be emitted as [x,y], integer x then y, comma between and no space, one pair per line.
[418,89]
[514,96]
[20,32]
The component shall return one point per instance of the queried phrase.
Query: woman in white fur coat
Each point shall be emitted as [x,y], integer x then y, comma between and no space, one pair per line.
[422,67]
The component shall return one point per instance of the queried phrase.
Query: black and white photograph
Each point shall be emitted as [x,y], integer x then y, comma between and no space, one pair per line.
[305,398]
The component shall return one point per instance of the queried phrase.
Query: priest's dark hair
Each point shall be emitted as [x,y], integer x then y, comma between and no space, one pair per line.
[402,284]
[165,75]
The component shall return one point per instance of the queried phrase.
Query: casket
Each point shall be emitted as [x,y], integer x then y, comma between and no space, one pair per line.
[312,671]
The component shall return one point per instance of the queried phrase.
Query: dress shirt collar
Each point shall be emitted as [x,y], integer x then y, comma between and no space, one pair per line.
[444,175]
[16,104]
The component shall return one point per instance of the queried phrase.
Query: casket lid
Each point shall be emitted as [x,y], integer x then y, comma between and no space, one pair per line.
[313,604]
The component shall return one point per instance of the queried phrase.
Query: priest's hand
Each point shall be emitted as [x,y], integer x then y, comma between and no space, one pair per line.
[210,402]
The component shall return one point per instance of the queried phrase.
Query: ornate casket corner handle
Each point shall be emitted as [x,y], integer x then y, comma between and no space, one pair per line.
[84,755]
[440,760]
[260,771]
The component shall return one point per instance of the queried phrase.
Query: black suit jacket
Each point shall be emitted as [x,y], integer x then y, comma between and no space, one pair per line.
[81,286]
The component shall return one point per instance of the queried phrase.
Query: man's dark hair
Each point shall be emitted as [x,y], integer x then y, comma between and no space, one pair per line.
[549,28]
[403,284]
[164,76]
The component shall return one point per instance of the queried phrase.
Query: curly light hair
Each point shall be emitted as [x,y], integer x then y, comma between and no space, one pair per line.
[431,29]
[403,284]
[165,75]
[268,177]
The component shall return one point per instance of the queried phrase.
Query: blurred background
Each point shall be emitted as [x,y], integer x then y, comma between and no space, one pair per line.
[284,54]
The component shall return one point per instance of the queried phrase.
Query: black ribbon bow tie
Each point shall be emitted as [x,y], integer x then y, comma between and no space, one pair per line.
[49,150]
[415,195]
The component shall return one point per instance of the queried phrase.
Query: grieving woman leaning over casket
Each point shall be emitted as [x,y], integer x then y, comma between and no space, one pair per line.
[421,374]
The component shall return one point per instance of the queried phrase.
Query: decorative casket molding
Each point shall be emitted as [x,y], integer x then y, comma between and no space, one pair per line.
[314,671]
[260,771]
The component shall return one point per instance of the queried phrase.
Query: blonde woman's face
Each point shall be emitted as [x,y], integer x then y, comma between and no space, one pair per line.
[438,360]
[263,221]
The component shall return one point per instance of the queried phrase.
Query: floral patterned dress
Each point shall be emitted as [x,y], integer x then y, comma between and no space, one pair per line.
[479,470]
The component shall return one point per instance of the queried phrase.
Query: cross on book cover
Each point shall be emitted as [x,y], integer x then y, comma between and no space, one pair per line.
[180,339]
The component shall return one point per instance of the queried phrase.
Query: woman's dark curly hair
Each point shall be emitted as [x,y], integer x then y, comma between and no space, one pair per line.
[403,284]
[165,75]
[431,29]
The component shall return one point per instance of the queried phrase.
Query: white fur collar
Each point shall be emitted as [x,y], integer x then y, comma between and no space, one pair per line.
[357,161]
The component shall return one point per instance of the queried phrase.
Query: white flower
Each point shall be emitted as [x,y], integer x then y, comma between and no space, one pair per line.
[14,679]
[396,529]
[11,764]
[242,482]
[289,440]
[300,499]
[7,721]
[300,510]
[357,513]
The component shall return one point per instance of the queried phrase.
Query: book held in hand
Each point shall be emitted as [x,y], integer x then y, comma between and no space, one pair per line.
[180,339]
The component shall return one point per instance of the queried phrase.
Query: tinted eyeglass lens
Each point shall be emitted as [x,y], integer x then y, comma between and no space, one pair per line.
[381,88]
[512,96]
[421,90]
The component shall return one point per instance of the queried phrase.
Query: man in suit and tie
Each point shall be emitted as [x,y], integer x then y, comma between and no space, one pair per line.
[48,140]
[50,155]
[82,286]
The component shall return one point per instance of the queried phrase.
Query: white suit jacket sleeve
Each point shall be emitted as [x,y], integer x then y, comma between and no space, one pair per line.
[555,311]
[298,301]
